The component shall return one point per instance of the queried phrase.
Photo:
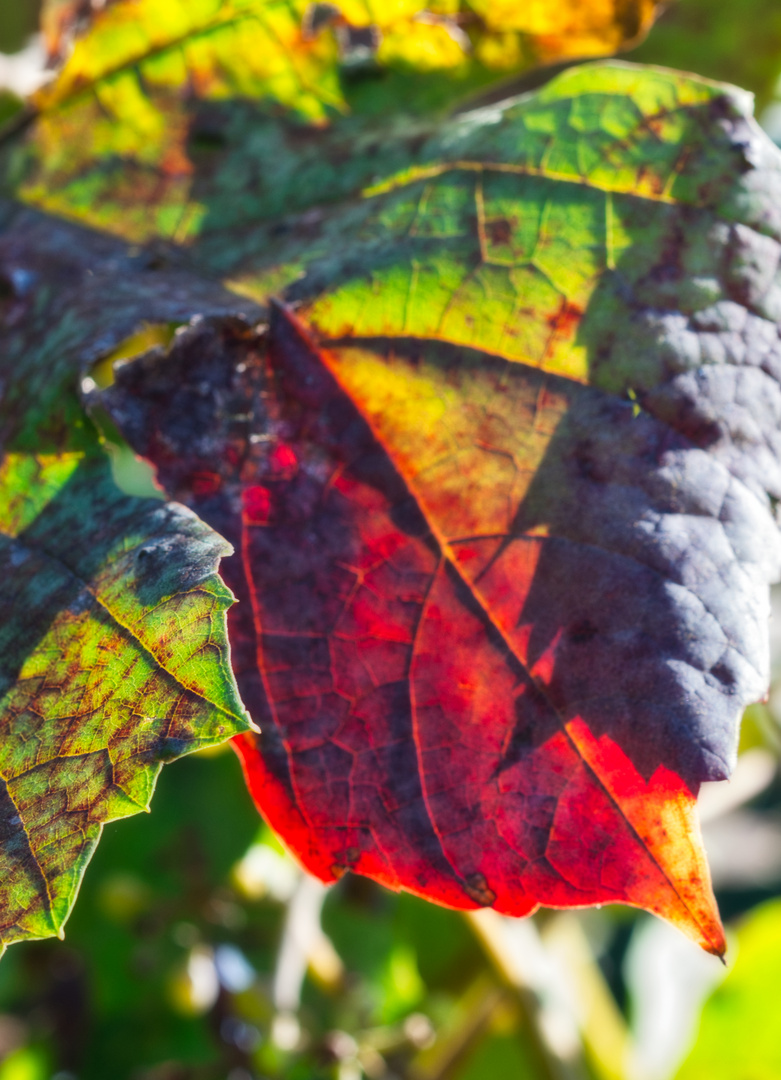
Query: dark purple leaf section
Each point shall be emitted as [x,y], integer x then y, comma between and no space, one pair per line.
[405,735]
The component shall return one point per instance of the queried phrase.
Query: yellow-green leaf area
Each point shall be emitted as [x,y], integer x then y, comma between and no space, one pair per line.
[29,483]
[116,139]
[252,47]
[738,1035]
[513,236]
[113,660]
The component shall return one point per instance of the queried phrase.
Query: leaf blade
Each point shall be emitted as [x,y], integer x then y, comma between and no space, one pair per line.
[659,811]
[112,138]
[393,451]
[93,702]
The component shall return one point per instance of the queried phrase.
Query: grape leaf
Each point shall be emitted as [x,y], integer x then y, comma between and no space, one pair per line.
[502,492]
[114,661]
[114,654]
[500,476]
[117,141]
[366,637]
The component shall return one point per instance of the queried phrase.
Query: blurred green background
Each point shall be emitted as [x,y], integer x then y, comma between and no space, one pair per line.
[18,20]
[199,951]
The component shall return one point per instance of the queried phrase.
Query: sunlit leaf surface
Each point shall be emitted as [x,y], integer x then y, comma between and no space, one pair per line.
[119,125]
[458,338]
[499,481]
[114,654]
[501,492]
[114,661]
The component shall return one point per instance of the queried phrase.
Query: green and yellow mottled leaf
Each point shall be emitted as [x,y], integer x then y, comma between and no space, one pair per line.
[513,422]
[113,660]
[510,222]
[118,129]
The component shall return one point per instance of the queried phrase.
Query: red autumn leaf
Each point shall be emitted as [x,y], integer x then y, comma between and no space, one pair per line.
[415,729]
[442,728]
[500,488]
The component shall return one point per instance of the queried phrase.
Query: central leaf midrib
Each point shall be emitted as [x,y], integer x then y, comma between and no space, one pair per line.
[447,556]
[417,173]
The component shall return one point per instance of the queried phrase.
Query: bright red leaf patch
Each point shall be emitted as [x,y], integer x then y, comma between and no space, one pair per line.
[414,729]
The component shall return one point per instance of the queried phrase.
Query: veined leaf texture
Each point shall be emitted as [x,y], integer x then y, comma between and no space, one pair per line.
[114,661]
[493,436]
[124,132]
[114,656]
[503,500]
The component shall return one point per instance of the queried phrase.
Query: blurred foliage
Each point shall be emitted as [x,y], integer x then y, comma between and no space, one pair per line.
[171,967]
[18,19]
[737,1036]
[119,137]
[166,972]
[170,971]
[737,41]
[9,105]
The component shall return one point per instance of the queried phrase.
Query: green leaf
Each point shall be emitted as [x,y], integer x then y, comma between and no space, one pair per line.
[114,644]
[550,319]
[124,134]
[507,224]
[616,205]
[738,1035]
[113,660]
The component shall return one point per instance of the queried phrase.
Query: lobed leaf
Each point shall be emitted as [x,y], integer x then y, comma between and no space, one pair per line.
[500,474]
[506,525]
[114,660]
[114,654]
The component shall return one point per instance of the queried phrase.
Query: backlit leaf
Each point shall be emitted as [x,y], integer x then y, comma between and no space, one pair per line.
[121,111]
[114,661]
[114,655]
[407,733]
[529,609]
[499,473]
